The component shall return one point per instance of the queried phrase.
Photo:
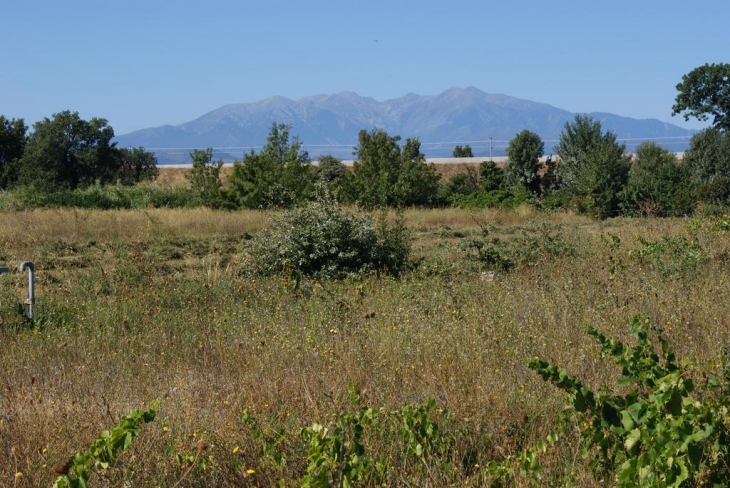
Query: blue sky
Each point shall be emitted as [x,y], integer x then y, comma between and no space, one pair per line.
[147,63]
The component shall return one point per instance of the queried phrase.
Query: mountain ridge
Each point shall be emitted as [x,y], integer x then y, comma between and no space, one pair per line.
[329,124]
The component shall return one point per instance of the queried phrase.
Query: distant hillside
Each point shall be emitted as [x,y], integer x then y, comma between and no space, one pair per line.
[329,124]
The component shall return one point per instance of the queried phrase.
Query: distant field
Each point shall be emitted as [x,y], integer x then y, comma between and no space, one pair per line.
[171,175]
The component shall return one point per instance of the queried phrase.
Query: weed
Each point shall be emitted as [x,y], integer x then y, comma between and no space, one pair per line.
[657,433]
[104,452]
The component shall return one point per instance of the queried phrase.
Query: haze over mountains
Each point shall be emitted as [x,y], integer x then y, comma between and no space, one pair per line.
[329,124]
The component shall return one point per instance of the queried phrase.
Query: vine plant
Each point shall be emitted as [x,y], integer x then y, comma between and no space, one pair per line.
[105,449]
[653,428]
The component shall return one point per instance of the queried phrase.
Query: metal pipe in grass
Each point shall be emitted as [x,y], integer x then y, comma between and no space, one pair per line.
[30,301]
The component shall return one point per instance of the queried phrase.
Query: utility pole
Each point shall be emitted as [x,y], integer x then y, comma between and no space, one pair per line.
[491,145]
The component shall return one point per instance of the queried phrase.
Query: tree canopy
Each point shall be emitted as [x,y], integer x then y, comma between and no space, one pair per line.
[705,92]
[12,145]
[389,174]
[708,162]
[463,152]
[135,165]
[66,151]
[657,184]
[523,161]
[279,176]
[593,165]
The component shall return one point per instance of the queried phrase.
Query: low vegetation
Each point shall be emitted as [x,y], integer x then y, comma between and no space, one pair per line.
[366,379]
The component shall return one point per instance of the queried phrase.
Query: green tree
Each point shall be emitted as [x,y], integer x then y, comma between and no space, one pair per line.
[136,165]
[204,177]
[280,175]
[462,182]
[388,174]
[657,184]
[329,169]
[375,173]
[593,165]
[418,182]
[463,152]
[491,176]
[705,92]
[12,145]
[523,161]
[708,162]
[68,152]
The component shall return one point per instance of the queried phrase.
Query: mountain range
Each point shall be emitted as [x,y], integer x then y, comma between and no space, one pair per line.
[329,124]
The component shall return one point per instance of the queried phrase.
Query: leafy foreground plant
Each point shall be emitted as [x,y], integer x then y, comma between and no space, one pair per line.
[340,455]
[536,242]
[105,450]
[657,434]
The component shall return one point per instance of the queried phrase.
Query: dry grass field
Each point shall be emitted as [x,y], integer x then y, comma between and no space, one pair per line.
[135,306]
[171,177]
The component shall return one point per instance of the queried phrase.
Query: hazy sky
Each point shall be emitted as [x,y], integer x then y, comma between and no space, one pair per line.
[147,63]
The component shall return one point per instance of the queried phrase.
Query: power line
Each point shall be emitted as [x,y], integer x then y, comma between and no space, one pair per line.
[497,143]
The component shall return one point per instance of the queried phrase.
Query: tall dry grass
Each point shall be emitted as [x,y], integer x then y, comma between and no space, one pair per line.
[140,305]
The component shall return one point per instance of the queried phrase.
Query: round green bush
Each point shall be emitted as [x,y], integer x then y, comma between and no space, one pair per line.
[324,239]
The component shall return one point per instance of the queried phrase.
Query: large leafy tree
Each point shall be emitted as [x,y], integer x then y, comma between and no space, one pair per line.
[708,163]
[279,176]
[418,182]
[523,161]
[705,92]
[12,145]
[593,165]
[658,185]
[491,176]
[135,165]
[66,151]
[389,174]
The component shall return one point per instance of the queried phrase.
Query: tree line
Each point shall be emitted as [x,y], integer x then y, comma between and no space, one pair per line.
[590,171]
[66,152]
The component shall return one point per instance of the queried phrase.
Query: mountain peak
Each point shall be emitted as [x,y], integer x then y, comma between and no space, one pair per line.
[330,123]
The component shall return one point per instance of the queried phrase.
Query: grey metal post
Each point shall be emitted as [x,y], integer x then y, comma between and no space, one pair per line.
[30,301]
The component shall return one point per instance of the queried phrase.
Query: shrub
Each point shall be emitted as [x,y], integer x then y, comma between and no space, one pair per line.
[536,242]
[658,185]
[523,162]
[323,239]
[204,177]
[671,256]
[463,182]
[102,197]
[557,200]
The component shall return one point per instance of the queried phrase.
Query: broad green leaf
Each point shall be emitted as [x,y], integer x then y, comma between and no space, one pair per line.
[633,441]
